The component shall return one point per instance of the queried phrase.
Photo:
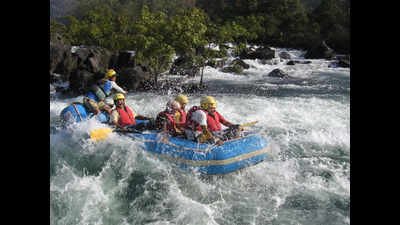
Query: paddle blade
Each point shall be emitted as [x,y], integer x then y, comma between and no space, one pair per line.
[249,124]
[100,134]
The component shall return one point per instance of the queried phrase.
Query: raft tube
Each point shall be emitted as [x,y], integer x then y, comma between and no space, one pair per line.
[207,158]
[77,112]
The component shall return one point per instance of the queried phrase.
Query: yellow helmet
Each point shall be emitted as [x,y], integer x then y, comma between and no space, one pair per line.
[206,100]
[119,96]
[110,73]
[182,99]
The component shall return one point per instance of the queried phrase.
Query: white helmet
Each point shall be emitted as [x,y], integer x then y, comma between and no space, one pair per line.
[173,105]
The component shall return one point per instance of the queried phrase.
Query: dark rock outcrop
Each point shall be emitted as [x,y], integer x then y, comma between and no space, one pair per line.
[294,62]
[278,73]
[135,78]
[320,51]
[61,60]
[285,55]
[93,59]
[260,53]
[241,63]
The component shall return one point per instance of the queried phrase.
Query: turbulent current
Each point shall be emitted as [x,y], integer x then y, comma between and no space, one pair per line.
[306,179]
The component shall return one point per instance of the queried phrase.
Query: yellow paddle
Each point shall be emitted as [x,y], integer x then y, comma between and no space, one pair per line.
[248,124]
[100,134]
[207,136]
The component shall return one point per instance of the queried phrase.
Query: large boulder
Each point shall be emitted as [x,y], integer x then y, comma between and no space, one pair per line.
[81,80]
[285,55]
[240,63]
[124,59]
[61,60]
[135,78]
[91,64]
[260,53]
[278,73]
[294,62]
[320,51]
[237,69]
[93,59]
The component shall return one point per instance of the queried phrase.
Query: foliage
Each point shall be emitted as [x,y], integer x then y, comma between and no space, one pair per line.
[157,29]
[333,18]
[149,42]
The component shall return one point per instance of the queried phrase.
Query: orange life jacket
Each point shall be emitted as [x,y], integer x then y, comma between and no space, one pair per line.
[180,119]
[125,116]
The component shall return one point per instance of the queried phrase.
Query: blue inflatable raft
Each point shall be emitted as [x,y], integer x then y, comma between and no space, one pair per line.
[207,158]
[76,112]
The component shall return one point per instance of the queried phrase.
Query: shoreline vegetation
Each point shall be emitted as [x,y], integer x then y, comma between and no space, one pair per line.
[143,39]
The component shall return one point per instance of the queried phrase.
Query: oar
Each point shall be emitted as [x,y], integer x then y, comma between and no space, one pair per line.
[248,124]
[102,133]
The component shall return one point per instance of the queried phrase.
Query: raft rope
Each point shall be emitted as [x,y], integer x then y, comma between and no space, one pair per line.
[76,109]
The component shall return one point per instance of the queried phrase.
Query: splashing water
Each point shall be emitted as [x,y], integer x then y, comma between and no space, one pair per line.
[305,181]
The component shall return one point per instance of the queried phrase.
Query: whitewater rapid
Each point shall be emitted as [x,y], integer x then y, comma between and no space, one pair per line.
[305,181]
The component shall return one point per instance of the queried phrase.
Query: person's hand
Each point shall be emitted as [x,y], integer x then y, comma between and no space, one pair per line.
[237,126]
[220,142]
[164,139]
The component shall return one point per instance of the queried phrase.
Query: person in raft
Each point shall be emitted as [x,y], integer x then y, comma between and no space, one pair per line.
[95,100]
[166,122]
[203,124]
[180,115]
[124,117]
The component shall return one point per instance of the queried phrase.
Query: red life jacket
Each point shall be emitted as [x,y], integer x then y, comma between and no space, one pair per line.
[125,116]
[170,124]
[213,123]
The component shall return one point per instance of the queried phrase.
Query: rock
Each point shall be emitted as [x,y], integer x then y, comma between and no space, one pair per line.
[285,55]
[125,59]
[80,80]
[293,62]
[232,69]
[61,60]
[241,63]
[135,78]
[320,51]
[344,63]
[93,59]
[260,53]
[278,73]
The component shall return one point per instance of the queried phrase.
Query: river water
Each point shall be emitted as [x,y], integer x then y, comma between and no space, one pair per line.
[306,179]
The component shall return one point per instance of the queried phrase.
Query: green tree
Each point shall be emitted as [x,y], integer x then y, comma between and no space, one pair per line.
[333,18]
[150,44]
